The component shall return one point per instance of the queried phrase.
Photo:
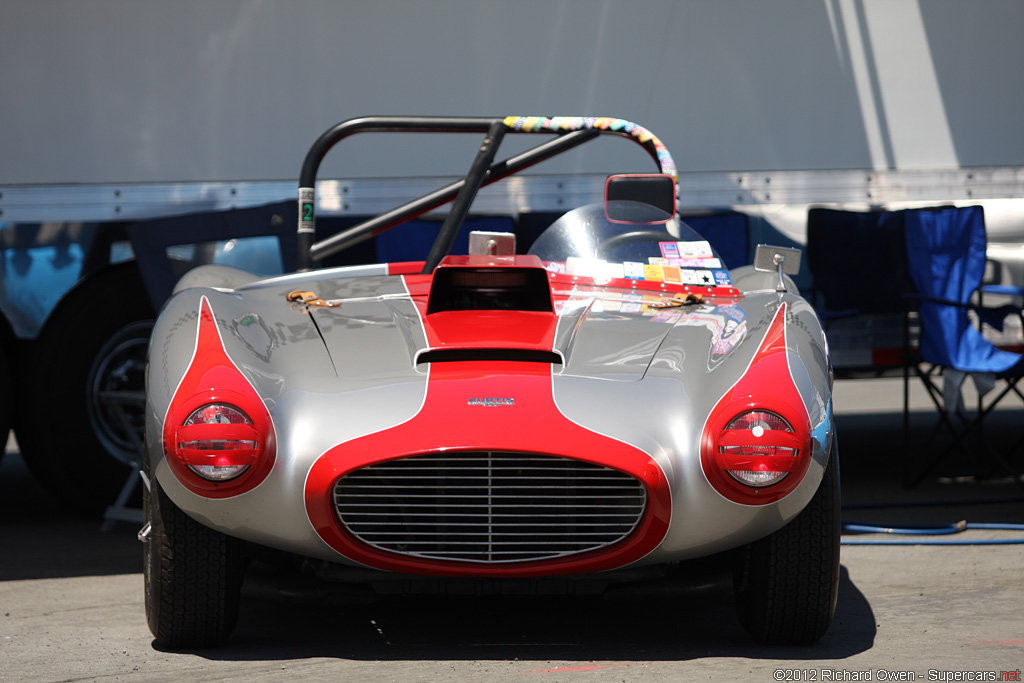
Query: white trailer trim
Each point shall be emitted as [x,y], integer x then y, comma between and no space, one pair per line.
[549,193]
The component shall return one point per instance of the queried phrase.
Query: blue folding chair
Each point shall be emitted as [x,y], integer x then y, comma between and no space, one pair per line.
[946,262]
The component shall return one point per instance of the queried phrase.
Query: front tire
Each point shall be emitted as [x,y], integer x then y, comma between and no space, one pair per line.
[193,577]
[786,584]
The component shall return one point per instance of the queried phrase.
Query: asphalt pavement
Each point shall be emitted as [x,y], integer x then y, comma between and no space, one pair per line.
[71,596]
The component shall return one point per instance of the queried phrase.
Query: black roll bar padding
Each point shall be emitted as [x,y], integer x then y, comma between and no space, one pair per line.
[421,205]
[337,133]
[386,124]
[307,250]
[460,209]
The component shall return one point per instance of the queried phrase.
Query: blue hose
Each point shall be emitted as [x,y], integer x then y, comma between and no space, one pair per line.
[947,541]
[942,530]
[933,503]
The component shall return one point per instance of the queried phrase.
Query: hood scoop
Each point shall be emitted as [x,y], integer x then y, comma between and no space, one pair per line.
[490,283]
[490,308]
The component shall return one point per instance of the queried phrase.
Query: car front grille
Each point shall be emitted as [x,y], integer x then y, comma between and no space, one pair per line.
[489,507]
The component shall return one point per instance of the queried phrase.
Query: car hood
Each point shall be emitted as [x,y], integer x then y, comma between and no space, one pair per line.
[378,334]
[378,339]
[381,330]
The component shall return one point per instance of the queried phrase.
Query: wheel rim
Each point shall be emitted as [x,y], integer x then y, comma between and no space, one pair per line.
[116,397]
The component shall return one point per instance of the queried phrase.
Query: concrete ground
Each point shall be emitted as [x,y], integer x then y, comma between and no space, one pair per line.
[71,598]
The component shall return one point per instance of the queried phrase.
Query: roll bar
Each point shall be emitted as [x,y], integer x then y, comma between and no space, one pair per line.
[569,132]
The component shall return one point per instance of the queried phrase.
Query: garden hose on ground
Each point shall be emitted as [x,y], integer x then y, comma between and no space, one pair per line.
[924,535]
[918,532]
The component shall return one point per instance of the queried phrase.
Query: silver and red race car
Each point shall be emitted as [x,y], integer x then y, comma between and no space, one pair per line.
[606,407]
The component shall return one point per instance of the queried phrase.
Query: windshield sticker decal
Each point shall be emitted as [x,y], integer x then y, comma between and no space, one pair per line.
[669,249]
[707,273]
[686,262]
[633,270]
[699,249]
[554,266]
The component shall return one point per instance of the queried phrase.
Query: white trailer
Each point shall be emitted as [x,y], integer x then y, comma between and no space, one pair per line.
[124,118]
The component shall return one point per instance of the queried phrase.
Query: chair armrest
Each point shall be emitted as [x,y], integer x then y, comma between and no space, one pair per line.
[993,316]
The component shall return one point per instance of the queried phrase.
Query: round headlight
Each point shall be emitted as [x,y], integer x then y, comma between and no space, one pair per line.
[218,442]
[756,448]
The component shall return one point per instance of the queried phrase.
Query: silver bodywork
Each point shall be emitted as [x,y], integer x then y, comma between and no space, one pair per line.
[330,375]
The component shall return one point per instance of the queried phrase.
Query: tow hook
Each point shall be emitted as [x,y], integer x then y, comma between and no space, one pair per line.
[145,531]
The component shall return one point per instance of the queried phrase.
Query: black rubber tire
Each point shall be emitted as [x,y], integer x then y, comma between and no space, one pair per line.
[193,577]
[786,584]
[56,423]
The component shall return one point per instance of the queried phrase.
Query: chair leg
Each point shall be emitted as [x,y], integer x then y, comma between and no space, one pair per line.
[910,477]
[970,438]
[906,423]
[978,426]
[963,434]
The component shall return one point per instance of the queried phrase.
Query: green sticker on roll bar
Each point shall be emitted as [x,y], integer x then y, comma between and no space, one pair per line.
[307,210]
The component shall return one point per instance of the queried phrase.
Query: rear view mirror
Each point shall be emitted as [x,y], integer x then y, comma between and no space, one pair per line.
[781,259]
[657,190]
[768,259]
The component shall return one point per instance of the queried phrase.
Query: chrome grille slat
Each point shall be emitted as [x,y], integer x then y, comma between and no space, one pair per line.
[494,543]
[489,507]
[534,505]
[508,524]
[467,496]
[503,485]
[430,471]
